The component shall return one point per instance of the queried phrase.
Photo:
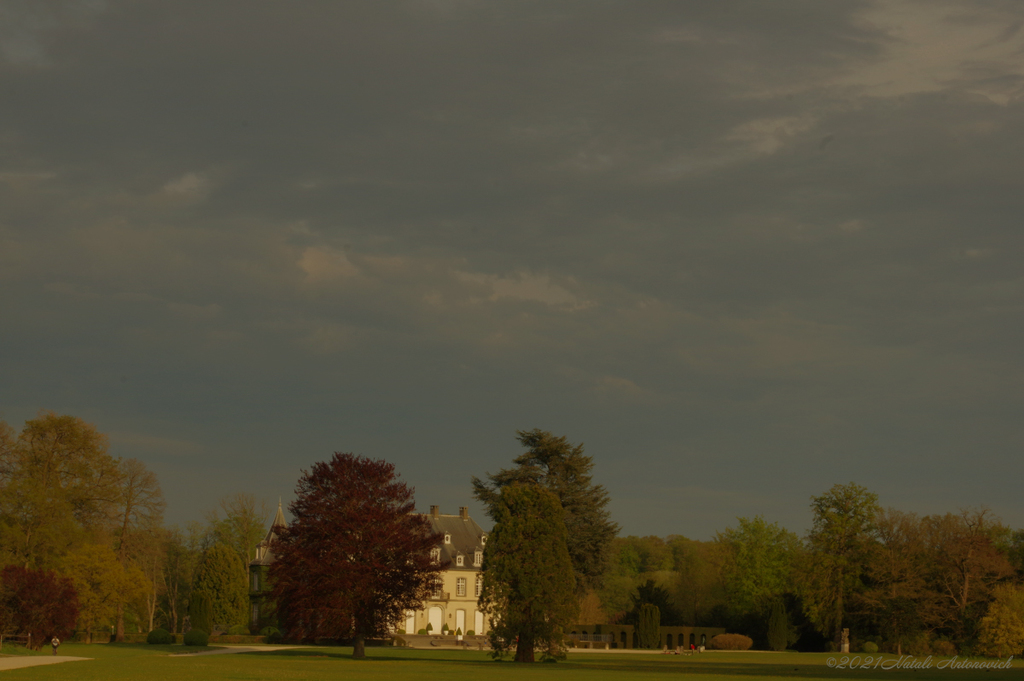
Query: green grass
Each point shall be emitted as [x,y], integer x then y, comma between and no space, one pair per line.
[17,650]
[140,661]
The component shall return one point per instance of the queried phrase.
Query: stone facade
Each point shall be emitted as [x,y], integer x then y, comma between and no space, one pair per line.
[455,600]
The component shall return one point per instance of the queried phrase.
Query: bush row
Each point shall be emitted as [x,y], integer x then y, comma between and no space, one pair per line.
[731,642]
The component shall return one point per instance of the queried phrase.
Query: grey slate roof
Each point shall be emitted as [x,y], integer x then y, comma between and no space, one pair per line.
[466,538]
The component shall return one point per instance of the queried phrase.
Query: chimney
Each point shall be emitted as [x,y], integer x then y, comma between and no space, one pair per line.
[435,511]
[464,512]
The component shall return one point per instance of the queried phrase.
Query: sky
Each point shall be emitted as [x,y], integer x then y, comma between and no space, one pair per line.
[742,251]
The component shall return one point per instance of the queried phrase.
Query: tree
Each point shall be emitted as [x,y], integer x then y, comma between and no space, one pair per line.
[781,633]
[897,599]
[103,585]
[200,611]
[59,487]
[648,626]
[650,594]
[37,602]
[242,527]
[529,589]
[564,469]
[964,565]
[1002,629]
[182,554]
[220,577]
[700,587]
[355,557]
[140,507]
[762,562]
[844,520]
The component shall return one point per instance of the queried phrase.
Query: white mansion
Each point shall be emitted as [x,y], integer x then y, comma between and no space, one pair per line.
[454,599]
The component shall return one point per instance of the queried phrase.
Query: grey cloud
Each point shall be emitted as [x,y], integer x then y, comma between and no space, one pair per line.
[410,228]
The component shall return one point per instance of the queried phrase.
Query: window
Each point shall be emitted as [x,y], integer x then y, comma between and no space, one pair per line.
[447,538]
[478,558]
[479,585]
[438,585]
[435,555]
[460,586]
[459,560]
[483,539]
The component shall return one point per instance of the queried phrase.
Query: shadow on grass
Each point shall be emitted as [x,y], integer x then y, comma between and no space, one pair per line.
[791,667]
[375,654]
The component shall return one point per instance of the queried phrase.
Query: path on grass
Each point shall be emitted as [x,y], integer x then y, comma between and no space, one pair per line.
[33,661]
[228,650]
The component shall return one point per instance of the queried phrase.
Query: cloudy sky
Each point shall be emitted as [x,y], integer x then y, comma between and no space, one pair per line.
[741,250]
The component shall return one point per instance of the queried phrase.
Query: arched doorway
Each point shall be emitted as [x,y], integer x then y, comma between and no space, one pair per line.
[693,639]
[436,618]
[460,621]
[478,623]
[668,640]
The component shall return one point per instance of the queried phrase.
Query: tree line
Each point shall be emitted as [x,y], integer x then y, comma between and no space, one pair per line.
[902,582]
[76,521]
[84,529]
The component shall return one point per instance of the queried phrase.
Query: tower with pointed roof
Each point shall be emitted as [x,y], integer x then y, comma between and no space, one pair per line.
[261,606]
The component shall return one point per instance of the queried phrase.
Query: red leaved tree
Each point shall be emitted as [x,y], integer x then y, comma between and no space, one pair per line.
[355,557]
[37,602]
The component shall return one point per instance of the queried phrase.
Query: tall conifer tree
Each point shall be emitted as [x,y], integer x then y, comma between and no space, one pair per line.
[528,582]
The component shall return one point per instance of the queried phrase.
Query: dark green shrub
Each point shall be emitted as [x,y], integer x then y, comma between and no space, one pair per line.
[197,637]
[200,611]
[239,630]
[430,627]
[458,632]
[470,633]
[270,631]
[444,628]
[422,632]
[869,647]
[781,634]
[160,637]
[942,647]
[649,626]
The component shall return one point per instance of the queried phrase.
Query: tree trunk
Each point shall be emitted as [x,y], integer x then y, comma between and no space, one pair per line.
[524,649]
[119,636]
[359,648]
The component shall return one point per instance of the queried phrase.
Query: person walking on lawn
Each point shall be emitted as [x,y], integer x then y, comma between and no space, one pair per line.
[55,642]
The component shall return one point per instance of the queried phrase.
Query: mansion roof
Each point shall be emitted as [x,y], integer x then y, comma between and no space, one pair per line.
[464,537]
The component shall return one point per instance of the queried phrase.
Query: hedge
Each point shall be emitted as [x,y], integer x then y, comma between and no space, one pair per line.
[236,638]
[731,642]
[197,637]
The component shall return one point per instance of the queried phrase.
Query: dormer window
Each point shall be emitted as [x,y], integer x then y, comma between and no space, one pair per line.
[435,555]
[483,539]
[447,538]
[478,558]
[459,560]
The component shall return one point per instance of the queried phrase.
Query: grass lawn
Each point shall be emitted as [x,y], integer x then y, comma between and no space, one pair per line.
[140,661]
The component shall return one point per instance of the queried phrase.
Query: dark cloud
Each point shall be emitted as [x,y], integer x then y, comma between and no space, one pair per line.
[743,251]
